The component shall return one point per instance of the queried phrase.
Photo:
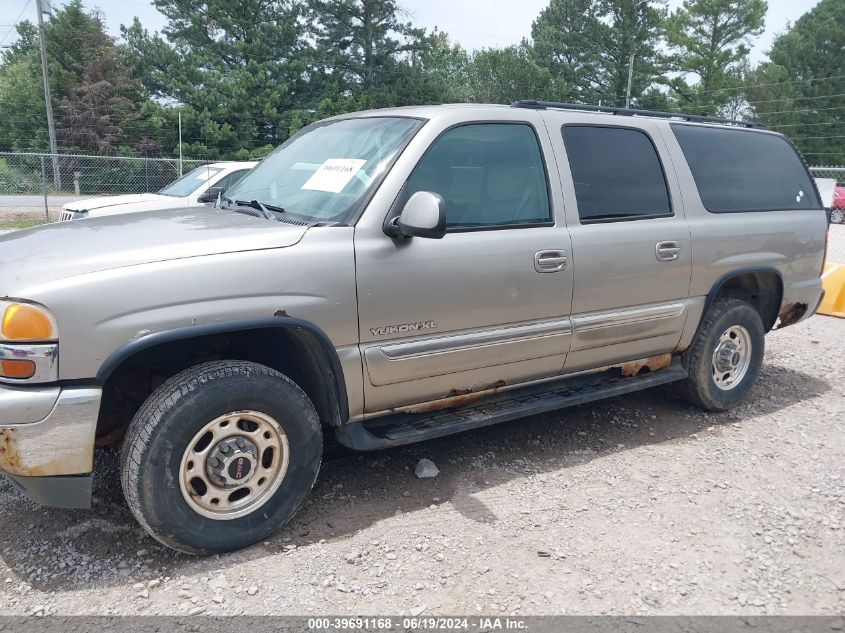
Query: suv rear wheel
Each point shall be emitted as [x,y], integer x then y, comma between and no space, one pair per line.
[725,356]
[220,456]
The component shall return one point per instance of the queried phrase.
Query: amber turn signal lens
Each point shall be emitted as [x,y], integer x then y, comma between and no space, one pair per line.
[24,322]
[17,368]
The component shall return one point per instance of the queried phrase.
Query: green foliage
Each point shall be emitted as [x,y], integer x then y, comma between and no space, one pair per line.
[505,75]
[568,36]
[586,46]
[246,74]
[14,180]
[636,27]
[807,64]
[235,67]
[95,95]
[709,38]
[22,126]
[358,41]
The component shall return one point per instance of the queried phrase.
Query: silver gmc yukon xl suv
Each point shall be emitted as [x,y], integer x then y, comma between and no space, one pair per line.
[388,277]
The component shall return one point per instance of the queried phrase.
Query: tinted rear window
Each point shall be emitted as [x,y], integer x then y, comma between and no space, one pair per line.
[742,170]
[617,174]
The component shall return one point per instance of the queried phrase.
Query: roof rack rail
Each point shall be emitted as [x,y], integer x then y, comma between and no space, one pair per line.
[695,118]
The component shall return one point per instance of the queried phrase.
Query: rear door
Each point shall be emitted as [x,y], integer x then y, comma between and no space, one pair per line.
[630,241]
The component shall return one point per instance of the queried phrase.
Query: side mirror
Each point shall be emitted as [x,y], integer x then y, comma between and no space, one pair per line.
[210,195]
[424,215]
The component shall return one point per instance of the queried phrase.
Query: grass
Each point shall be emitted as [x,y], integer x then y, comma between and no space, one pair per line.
[7,224]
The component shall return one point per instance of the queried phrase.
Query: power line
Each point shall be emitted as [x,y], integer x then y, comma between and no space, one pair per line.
[20,15]
[779,125]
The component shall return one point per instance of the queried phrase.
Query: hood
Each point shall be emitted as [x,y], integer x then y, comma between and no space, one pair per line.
[145,200]
[65,249]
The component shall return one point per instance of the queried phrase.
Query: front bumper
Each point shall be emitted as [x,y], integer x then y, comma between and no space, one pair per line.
[43,446]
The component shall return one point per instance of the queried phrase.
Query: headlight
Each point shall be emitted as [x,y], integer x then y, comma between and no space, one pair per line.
[27,323]
[79,215]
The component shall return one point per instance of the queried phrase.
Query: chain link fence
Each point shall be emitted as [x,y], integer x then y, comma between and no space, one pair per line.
[35,186]
[836,236]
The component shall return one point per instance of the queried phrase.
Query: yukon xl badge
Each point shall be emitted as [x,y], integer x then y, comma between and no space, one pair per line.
[403,327]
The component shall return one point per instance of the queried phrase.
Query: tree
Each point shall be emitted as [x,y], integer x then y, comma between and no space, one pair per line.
[586,46]
[567,38]
[359,42]
[709,37]
[23,124]
[94,92]
[505,75]
[799,91]
[91,115]
[237,67]
[635,30]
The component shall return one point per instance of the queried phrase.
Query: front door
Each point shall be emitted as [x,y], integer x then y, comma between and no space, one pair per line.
[486,306]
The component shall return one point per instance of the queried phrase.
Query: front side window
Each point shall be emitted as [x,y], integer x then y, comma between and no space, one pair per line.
[327,170]
[744,170]
[617,174]
[489,174]
[190,182]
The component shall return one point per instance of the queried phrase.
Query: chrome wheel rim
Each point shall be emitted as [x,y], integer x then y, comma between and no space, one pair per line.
[837,216]
[233,465]
[731,357]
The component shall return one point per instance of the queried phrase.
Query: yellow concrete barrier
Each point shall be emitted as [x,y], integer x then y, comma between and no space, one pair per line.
[833,282]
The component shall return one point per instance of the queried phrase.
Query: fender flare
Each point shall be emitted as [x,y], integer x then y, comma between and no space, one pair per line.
[721,281]
[116,358]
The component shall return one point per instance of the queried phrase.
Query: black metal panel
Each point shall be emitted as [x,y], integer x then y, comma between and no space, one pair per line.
[407,428]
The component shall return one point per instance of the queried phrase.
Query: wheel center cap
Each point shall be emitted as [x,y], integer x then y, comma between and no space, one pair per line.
[239,468]
[727,357]
[232,462]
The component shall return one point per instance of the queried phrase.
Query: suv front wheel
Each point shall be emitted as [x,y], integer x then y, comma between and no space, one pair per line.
[220,456]
[725,356]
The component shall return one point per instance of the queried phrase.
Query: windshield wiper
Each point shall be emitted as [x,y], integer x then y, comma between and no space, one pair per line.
[260,206]
[264,209]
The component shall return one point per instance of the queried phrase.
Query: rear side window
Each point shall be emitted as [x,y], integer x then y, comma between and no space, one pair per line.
[743,170]
[617,174]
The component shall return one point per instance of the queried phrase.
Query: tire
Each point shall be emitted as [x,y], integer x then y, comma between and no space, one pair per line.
[161,451]
[837,216]
[735,319]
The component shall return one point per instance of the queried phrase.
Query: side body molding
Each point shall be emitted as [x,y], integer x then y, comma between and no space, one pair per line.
[195,331]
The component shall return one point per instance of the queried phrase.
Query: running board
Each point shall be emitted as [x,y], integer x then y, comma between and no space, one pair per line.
[406,428]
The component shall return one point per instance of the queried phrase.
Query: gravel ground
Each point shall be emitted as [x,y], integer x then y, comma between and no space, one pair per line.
[636,505]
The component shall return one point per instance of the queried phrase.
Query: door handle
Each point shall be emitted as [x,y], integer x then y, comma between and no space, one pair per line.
[550,261]
[668,251]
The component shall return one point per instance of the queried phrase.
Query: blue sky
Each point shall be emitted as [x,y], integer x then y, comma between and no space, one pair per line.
[473,23]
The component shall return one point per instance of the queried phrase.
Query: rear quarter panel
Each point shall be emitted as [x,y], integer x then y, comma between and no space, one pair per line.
[792,243]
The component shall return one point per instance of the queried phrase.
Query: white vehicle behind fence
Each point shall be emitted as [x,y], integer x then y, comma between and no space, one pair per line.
[196,188]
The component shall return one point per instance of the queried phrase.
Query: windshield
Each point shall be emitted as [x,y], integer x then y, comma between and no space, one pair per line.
[327,170]
[190,182]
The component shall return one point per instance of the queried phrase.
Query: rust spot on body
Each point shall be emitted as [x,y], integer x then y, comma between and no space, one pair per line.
[455,398]
[14,463]
[10,459]
[653,363]
[791,314]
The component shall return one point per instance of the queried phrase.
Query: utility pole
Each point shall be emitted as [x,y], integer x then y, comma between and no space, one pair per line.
[48,101]
[630,79]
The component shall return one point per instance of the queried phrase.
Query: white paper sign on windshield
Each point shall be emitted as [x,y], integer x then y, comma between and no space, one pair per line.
[334,174]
